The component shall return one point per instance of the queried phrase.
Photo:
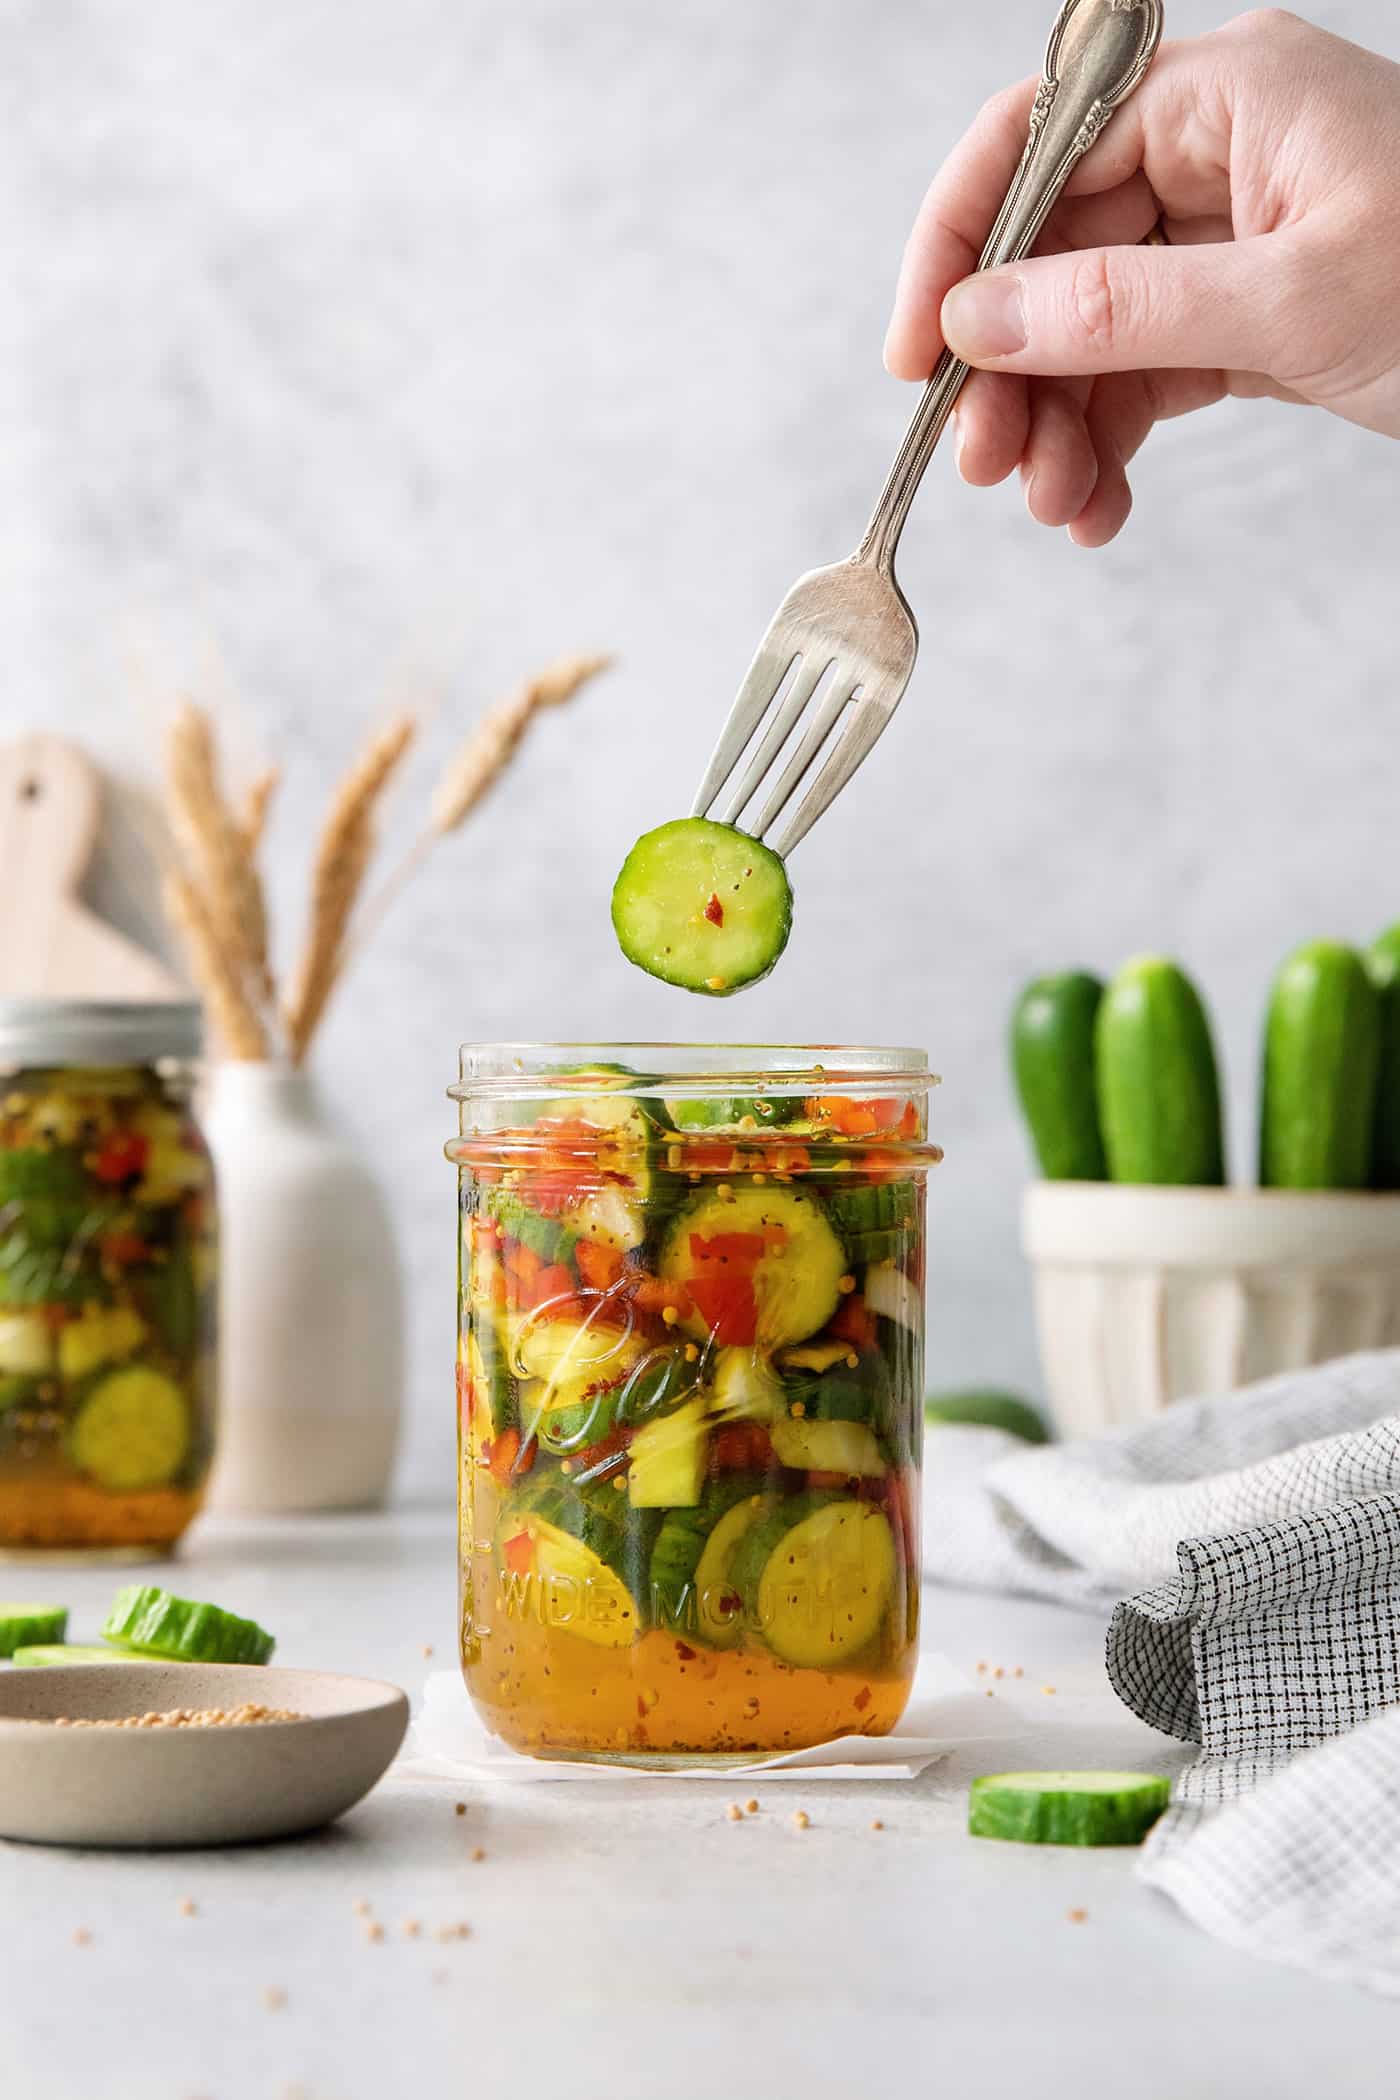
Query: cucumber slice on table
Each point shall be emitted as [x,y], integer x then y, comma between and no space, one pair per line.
[1067,1808]
[761,1266]
[1159,1092]
[1052,1059]
[817,1577]
[60,1653]
[22,1624]
[988,1408]
[177,1629]
[703,906]
[1322,1049]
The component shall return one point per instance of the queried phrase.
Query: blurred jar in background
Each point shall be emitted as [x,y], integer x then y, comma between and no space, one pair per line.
[107,1278]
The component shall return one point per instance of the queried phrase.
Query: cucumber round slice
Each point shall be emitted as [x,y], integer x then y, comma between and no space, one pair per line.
[762,1266]
[838,1446]
[177,1629]
[690,1587]
[44,1656]
[988,1409]
[132,1431]
[22,1624]
[703,906]
[817,1578]
[1067,1808]
[876,1220]
[575,1561]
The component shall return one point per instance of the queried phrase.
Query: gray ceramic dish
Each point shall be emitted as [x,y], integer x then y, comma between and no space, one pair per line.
[187,1786]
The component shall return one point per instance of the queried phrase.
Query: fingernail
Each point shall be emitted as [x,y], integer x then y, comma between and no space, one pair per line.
[959,440]
[985,316]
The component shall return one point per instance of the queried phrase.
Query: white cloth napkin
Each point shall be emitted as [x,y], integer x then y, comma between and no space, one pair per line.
[449,1741]
[1260,1533]
[1088,1522]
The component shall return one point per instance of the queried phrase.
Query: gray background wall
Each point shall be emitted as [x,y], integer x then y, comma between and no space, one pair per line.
[358,349]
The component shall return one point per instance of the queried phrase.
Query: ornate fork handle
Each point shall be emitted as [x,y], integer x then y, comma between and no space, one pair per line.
[1097,54]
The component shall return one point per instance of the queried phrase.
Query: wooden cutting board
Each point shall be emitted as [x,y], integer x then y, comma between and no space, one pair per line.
[51,946]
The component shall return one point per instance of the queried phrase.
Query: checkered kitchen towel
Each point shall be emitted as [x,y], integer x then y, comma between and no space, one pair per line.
[1275,1643]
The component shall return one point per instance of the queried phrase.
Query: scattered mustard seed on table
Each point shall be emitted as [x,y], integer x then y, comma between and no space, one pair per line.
[478,1852]
[274,1997]
[362,1906]
[1077,1917]
[188,1907]
[734,1812]
[877,1824]
[411,1929]
[82,1937]
[1049,1690]
[459,1808]
[801,1820]
[751,1808]
[374,1931]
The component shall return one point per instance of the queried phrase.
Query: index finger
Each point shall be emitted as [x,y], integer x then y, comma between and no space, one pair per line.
[953,222]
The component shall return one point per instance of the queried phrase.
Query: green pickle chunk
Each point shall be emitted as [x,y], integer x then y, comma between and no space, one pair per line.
[23,1624]
[153,1622]
[1067,1808]
[702,905]
[60,1654]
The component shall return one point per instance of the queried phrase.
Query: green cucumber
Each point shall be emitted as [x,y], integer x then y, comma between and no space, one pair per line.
[1052,1060]
[576,1558]
[1158,1090]
[782,1294]
[489,1363]
[55,1172]
[875,1220]
[836,1446]
[1383,961]
[60,1654]
[132,1430]
[689,1585]
[1066,1808]
[737,1112]
[744,1387]
[23,1624]
[550,1238]
[152,1622]
[987,1407]
[666,1458]
[703,906]
[1322,1050]
[817,1576]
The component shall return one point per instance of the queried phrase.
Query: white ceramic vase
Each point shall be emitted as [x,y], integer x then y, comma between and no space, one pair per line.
[310,1303]
[1148,1295]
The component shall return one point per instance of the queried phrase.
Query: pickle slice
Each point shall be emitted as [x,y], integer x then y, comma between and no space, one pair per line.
[132,1431]
[178,1629]
[21,1624]
[59,1653]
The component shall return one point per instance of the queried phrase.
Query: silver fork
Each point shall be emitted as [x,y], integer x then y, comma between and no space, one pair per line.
[847,630]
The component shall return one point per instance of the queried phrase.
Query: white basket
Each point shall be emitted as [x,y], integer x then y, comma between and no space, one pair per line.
[1148,1295]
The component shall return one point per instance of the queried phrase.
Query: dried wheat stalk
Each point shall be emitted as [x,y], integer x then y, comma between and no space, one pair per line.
[476,767]
[257,798]
[235,1016]
[216,857]
[342,857]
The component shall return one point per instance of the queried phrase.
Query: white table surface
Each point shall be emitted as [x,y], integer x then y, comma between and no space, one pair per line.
[629,1942]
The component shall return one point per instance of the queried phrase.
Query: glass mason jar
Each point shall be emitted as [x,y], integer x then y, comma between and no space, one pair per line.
[690,1379]
[107,1256]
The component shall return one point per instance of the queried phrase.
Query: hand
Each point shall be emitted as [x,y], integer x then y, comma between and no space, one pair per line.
[1270,151]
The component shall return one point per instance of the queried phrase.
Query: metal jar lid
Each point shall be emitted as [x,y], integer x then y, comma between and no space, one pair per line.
[98,1031]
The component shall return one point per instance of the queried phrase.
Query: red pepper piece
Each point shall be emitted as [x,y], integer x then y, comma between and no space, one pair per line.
[714,912]
[853,1323]
[727,1246]
[518,1553]
[728,1307]
[506,1456]
[599,1267]
[121,1157]
[556,1281]
[740,1447]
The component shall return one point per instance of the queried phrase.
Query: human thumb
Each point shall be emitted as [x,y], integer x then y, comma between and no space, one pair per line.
[1129,309]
